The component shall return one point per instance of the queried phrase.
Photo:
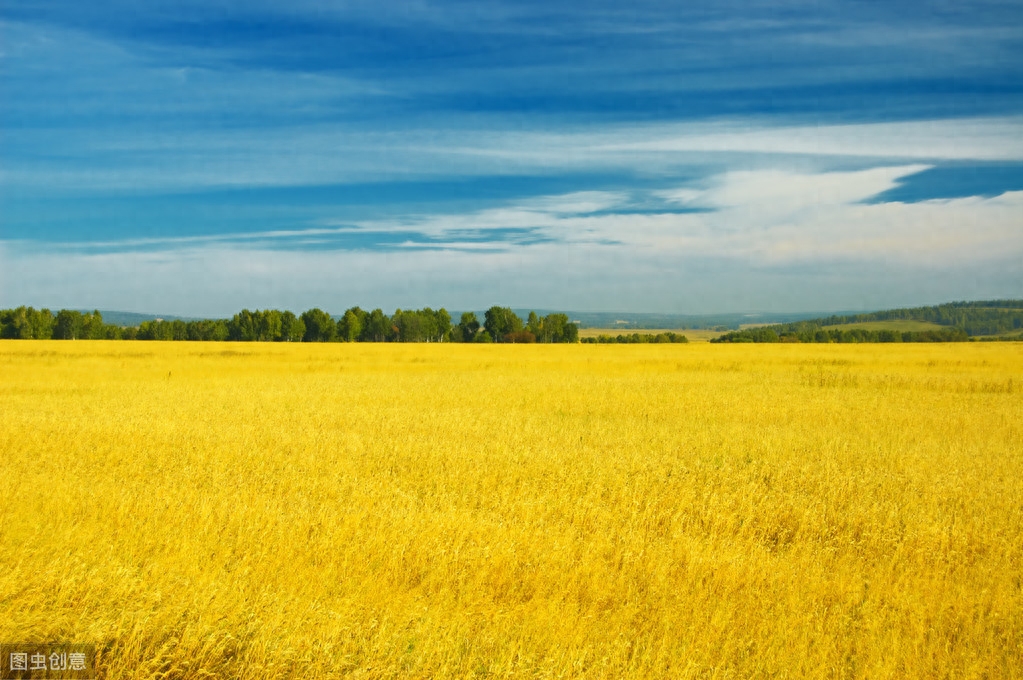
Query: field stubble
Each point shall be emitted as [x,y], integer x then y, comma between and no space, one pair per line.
[253,511]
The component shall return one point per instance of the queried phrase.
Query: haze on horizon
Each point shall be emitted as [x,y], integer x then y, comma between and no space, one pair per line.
[195,158]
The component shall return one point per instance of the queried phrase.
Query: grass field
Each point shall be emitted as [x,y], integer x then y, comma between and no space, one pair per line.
[379,511]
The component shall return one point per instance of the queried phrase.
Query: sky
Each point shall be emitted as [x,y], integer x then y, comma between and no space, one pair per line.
[197,158]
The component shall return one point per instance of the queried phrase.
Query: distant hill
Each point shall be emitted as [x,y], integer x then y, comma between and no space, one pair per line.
[947,322]
[629,321]
[624,321]
[975,319]
[134,319]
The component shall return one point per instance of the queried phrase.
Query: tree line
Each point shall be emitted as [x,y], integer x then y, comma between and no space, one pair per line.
[961,321]
[637,338]
[809,332]
[499,324]
[983,317]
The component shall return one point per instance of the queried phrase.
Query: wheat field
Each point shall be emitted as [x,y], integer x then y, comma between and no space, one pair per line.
[417,511]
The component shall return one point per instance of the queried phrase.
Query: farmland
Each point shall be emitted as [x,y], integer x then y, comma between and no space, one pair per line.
[259,510]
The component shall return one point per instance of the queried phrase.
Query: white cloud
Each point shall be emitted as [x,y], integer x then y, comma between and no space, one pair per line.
[337,153]
[774,240]
[683,196]
[769,216]
[650,147]
[782,217]
[977,139]
[782,192]
[578,202]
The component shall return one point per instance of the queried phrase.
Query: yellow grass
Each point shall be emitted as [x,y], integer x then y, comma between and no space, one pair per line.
[669,511]
[701,334]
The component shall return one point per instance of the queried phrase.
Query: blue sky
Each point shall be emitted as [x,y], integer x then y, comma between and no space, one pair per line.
[195,158]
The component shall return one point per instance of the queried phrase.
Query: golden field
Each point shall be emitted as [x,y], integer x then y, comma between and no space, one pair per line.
[601,511]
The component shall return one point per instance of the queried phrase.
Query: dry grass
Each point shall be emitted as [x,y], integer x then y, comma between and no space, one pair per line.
[669,511]
[701,334]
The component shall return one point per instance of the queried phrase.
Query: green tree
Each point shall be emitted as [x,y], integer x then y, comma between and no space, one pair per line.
[16,323]
[146,330]
[520,337]
[378,327]
[292,328]
[351,324]
[92,326]
[178,330]
[534,324]
[156,329]
[206,330]
[42,323]
[319,327]
[412,325]
[242,327]
[269,325]
[442,324]
[557,328]
[468,327]
[112,332]
[500,321]
[68,326]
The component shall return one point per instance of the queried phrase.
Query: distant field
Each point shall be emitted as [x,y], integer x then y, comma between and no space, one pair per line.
[695,335]
[895,325]
[311,511]
[700,334]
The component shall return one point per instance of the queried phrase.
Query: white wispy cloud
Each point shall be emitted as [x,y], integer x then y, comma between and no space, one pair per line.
[948,139]
[761,227]
[321,154]
[772,215]
[995,138]
[99,115]
[781,193]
